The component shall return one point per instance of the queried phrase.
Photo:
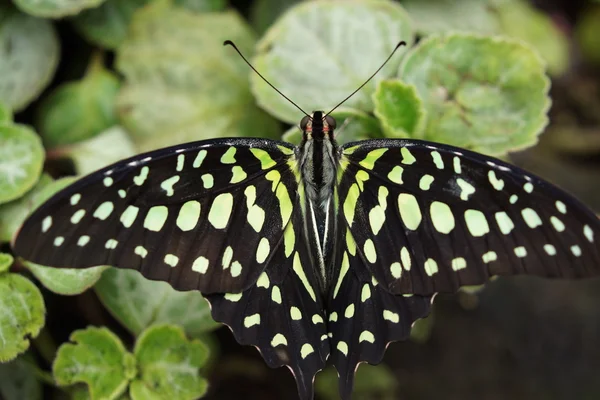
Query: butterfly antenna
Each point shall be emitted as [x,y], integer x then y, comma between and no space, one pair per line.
[402,43]
[230,43]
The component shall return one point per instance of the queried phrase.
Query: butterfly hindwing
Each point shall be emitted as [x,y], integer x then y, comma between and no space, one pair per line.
[204,215]
[282,314]
[364,317]
[430,218]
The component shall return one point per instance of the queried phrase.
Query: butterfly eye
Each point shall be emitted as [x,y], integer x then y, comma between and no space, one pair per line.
[304,122]
[330,121]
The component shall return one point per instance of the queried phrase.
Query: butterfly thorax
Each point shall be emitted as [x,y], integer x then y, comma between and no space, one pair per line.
[318,167]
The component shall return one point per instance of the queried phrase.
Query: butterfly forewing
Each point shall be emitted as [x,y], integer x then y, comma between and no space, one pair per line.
[205,215]
[430,218]
[282,314]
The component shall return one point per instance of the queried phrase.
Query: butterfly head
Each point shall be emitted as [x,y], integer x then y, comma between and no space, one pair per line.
[318,126]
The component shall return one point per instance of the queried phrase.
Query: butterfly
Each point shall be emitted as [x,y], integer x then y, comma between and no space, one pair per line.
[318,252]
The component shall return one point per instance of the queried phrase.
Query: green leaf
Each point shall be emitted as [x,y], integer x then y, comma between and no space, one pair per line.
[199,90]
[6,261]
[587,32]
[107,26]
[66,281]
[421,329]
[22,316]
[441,16]
[6,114]
[202,5]
[29,56]
[55,8]
[265,12]
[14,213]
[319,73]
[169,365]
[139,303]
[111,145]
[520,20]
[371,382]
[79,110]
[481,93]
[400,110]
[18,380]
[21,160]
[97,358]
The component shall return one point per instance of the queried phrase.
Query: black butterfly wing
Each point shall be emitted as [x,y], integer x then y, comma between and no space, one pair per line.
[430,218]
[364,317]
[282,314]
[206,215]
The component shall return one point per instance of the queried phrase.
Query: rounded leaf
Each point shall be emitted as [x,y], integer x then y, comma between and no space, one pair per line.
[111,145]
[318,70]
[169,364]
[441,16]
[66,281]
[29,57]
[22,316]
[97,358]
[399,109]
[6,261]
[76,111]
[138,303]
[14,213]
[55,8]
[21,160]
[480,93]
[200,90]
[18,380]
[520,20]
[108,24]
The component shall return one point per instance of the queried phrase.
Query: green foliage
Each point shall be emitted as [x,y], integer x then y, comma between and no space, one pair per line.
[399,109]
[199,91]
[29,56]
[13,214]
[6,261]
[67,282]
[514,18]
[79,110]
[168,365]
[164,364]
[55,8]
[288,56]
[22,316]
[109,146]
[107,25]
[490,104]
[370,383]
[97,358]
[18,380]
[21,159]
[139,303]
[587,33]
